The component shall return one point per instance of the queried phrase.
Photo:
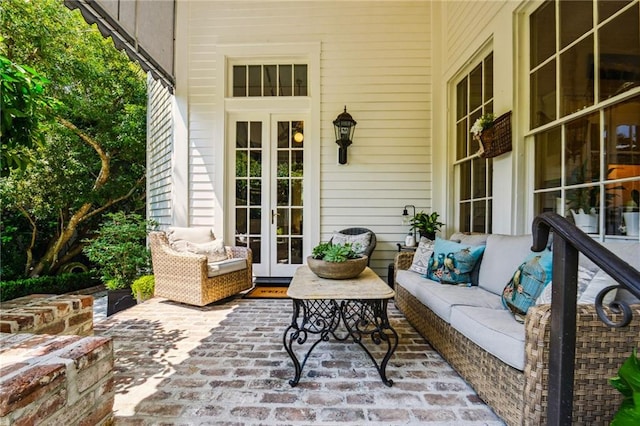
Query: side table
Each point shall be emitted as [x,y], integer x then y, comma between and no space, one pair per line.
[391,268]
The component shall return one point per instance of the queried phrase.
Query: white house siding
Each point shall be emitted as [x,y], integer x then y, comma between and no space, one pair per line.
[375,59]
[159,142]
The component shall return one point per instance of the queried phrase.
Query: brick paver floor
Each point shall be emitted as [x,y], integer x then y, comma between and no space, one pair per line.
[225,364]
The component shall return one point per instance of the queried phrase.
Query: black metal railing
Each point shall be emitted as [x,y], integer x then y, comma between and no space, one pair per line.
[568,242]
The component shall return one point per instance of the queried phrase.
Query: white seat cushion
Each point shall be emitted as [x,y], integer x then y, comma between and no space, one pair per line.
[503,255]
[441,298]
[226,266]
[494,330]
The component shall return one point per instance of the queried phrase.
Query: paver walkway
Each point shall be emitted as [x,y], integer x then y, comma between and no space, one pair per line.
[225,364]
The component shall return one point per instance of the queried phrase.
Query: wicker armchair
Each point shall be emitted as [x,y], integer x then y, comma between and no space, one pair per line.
[183,277]
[357,231]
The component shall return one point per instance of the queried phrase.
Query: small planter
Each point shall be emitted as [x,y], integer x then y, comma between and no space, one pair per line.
[587,222]
[337,270]
[119,300]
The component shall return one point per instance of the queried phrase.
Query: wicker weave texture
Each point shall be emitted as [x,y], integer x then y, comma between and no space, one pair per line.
[521,397]
[182,277]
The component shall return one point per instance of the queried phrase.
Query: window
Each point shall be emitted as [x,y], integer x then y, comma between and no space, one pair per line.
[584,79]
[474,97]
[270,80]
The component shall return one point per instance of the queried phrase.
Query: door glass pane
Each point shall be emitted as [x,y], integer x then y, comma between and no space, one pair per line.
[255,164]
[283,221]
[543,95]
[543,33]
[255,218]
[255,244]
[283,250]
[283,134]
[297,134]
[296,192]
[239,80]
[283,192]
[576,18]
[296,251]
[576,69]
[548,159]
[255,80]
[296,221]
[241,220]
[241,192]
[242,134]
[256,134]
[297,165]
[270,80]
[300,75]
[286,79]
[620,54]
[283,163]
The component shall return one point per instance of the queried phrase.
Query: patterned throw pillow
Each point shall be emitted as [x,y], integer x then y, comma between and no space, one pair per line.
[527,283]
[584,278]
[359,242]
[452,262]
[421,256]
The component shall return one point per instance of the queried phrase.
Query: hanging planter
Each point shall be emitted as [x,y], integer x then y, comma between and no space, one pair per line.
[493,135]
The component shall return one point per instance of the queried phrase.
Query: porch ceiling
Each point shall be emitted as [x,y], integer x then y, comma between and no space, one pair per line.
[143,29]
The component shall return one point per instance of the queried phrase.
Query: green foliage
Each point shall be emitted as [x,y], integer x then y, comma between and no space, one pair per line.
[54,284]
[627,382]
[144,287]
[119,251]
[426,223]
[334,252]
[23,105]
[97,130]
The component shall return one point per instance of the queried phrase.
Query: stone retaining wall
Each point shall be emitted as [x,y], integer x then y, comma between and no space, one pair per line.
[48,314]
[56,380]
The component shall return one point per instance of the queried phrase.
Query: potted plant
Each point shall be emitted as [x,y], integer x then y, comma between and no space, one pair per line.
[336,261]
[143,288]
[120,254]
[426,224]
[627,382]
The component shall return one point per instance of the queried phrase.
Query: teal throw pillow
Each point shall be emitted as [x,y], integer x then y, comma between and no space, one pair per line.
[527,283]
[452,262]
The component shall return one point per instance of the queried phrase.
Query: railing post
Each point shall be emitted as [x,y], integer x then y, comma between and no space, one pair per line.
[562,346]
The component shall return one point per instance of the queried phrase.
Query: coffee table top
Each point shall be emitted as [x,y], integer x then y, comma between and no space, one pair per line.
[368,285]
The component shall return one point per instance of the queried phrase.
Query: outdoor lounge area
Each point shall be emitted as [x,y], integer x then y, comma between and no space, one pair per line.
[225,364]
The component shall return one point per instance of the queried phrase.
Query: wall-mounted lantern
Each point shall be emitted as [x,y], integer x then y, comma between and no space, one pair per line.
[345,126]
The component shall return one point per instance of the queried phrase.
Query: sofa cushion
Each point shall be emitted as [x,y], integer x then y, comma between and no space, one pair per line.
[226,266]
[527,283]
[585,276]
[503,255]
[494,330]
[452,263]
[441,298]
[193,234]
[422,256]
[214,250]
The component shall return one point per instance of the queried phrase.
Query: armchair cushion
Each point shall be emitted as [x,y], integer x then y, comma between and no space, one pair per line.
[194,235]
[226,266]
[214,250]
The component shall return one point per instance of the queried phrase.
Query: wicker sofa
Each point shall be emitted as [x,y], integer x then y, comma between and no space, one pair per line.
[190,278]
[519,395]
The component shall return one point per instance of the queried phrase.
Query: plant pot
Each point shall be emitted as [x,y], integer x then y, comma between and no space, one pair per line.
[119,300]
[586,222]
[631,222]
[337,270]
[429,235]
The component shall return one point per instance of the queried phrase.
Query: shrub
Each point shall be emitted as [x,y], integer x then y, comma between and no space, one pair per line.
[53,284]
[143,287]
[119,251]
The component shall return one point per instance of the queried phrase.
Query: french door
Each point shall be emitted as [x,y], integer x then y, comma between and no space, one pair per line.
[267,171]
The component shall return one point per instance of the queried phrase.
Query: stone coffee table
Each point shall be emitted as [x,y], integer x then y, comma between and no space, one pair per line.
[353,308]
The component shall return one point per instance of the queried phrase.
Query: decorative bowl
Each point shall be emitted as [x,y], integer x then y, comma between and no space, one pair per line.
[337,270]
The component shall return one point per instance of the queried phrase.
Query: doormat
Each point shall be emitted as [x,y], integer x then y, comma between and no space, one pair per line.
[264,292]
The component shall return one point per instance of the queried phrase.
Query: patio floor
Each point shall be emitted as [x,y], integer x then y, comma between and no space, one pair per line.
[225,364]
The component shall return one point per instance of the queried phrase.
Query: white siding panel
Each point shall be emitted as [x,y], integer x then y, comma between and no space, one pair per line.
[375,59]
[159,151]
